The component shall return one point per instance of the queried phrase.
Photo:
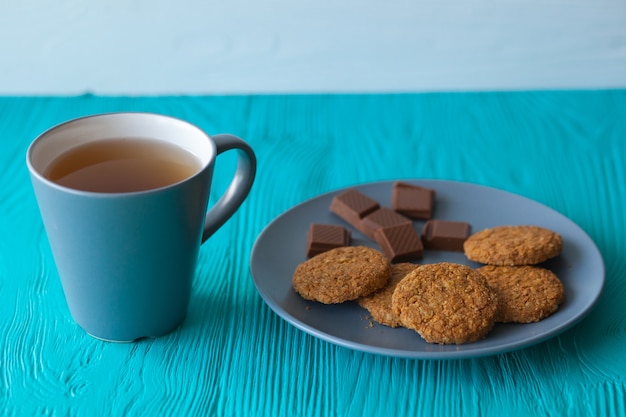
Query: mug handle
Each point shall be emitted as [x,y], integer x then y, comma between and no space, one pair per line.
[239,186]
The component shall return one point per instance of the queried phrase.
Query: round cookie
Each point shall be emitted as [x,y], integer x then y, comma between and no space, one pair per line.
[513,245]
[379,303]
[341,274]
[446,303]
[526,293]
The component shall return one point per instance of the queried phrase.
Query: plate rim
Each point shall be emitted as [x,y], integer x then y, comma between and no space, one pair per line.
[429,355]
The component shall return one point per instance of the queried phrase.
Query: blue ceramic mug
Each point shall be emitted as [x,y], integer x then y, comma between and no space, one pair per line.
[126,259]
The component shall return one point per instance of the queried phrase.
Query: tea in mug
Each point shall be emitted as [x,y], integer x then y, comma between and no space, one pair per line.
[123,165]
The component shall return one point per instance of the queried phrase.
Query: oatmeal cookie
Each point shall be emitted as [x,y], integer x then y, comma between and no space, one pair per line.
[341,274]
[379,303]
[513,245]
[446,303]
[526,293]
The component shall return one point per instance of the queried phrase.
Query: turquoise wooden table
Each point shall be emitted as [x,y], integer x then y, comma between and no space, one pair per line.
[233,356]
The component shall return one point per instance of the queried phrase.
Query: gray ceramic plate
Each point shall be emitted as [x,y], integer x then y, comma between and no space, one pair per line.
[282,246]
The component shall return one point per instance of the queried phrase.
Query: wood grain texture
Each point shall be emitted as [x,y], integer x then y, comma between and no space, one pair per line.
[233,356]
[278,46]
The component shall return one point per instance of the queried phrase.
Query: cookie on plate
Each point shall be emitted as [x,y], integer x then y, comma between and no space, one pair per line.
[513,245]
[379,303]
[526,293]
[446,303]
[341,274]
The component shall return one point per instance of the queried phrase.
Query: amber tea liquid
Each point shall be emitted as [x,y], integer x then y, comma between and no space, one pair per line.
[123,165]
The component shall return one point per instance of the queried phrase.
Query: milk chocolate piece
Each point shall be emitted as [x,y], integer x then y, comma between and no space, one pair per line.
[400,243]
[352,206]
[324,237]
[382,217]
[445,235]
[413,201]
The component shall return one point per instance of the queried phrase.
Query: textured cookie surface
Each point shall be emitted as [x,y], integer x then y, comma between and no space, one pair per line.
[446,303]
[526,293]
[341,274]
[379,303]
[513,245]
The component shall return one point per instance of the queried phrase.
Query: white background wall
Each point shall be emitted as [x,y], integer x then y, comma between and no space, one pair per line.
[245,46]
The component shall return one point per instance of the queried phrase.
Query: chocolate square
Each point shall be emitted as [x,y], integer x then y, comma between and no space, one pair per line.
[400,243]
[413,201]
[383,217]
[352,206]
[324,237]
[445,235]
